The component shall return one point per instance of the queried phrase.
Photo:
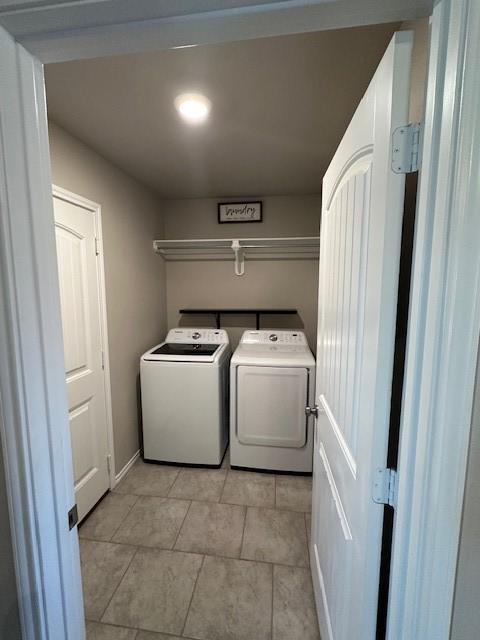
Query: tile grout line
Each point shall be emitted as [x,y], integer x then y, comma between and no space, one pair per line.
[306,534]
[273,587]
[137,629]
[116,626]
[165,497]
[139,547]
[181,526]
[227,471]
[306,526]
[126,516]
[119,582]
[243,532]
[173,483]
[191,597]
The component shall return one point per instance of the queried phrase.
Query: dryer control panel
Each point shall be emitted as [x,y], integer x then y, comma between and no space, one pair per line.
[204,336]
[273,336]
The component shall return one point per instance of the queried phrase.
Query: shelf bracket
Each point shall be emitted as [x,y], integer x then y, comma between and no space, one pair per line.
[239,258]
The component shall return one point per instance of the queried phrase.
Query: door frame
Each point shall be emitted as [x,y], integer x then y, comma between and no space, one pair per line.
[96,210]
[443,328]
[443,334]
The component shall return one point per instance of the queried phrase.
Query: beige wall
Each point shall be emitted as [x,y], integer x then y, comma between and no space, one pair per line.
[9,618]
[266,283]
[466,611]
[134,275]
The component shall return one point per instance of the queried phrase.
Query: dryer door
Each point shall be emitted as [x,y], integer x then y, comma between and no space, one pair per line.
[271,406]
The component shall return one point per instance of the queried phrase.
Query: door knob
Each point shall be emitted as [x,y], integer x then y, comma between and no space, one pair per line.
[312,411]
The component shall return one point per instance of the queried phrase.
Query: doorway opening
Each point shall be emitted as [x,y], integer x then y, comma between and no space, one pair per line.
[275,121]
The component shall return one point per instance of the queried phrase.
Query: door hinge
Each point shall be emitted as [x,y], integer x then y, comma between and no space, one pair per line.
[97,246]
[385,486]
[407,148]
[73,517]
[109,464]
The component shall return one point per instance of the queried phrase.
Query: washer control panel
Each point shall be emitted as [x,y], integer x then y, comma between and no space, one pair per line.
[203,336]
[274,337]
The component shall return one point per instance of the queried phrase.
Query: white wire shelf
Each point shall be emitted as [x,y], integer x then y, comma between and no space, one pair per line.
[227,249]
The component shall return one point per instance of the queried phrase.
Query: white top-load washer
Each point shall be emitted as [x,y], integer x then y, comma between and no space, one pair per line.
[272,380]
[184,387]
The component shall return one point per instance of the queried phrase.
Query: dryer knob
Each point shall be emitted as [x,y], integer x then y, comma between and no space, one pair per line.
[273,337]
[196,335]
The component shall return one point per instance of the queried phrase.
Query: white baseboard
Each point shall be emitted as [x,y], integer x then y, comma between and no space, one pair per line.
[127,467]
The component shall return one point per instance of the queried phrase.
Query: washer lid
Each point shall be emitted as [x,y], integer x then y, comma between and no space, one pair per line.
[185,352]
[181,349]
[190,345]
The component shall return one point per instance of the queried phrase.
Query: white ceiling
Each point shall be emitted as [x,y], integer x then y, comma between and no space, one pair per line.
[280,107]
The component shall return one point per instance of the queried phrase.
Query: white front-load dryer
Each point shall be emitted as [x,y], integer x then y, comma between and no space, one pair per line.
[184,388]
[272,380]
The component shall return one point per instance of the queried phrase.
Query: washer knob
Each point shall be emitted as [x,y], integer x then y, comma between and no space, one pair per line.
[273,337]
[196,335]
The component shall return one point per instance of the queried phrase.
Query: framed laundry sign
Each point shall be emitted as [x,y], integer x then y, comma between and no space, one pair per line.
[239,212]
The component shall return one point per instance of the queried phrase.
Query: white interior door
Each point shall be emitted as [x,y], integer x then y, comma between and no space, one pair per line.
[80,297]
[362,207]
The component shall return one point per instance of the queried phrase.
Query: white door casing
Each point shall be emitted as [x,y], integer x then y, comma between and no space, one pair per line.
[362,209]
[31,356]
[57,32]
[77,231]
[35,437]
[443,334]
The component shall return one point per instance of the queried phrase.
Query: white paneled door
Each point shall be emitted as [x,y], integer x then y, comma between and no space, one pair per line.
[361,230]
[80,296]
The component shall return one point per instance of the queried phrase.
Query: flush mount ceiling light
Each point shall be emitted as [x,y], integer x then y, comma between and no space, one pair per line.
[193,107]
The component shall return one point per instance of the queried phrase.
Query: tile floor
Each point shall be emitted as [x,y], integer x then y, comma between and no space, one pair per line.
[204,554]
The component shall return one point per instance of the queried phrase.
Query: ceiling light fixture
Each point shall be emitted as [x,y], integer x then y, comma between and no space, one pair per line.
[193,107]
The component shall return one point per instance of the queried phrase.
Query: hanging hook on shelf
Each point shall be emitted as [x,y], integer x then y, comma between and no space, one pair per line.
[239,258]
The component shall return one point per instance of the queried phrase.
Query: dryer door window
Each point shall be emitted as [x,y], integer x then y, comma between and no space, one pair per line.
[271,406]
